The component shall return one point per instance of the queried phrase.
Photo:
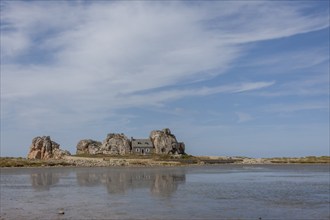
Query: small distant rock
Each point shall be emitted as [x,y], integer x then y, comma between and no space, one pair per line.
[45,148]
[61,212]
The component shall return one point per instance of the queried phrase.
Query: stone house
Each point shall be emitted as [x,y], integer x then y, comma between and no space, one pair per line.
[142,146]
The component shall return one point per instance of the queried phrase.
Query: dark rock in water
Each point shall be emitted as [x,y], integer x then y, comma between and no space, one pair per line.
[45,148]
[116,144]
[88,146]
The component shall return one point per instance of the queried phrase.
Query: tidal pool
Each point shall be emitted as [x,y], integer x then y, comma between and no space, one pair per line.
[195,192]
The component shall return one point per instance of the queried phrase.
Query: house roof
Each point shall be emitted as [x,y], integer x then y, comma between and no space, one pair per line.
[142,143]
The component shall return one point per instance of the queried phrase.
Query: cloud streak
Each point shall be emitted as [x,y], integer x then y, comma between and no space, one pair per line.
[243,117]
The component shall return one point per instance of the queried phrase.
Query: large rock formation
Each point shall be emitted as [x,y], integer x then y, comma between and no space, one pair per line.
[165,142]
[116,144]
[89,146]
[45,148]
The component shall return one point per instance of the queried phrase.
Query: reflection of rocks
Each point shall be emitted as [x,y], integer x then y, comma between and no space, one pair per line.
[115,182]
[43,181]
[159,182]
[88,179]
[166,184]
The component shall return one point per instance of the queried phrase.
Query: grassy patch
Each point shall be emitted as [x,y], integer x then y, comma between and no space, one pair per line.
[22,162]
[307,160]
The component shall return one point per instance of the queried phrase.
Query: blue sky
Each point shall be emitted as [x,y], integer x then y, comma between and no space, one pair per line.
[247,78]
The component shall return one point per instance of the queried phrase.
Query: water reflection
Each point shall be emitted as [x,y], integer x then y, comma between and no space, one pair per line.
[44,180]
[160,182]
[203,192]
[166,184]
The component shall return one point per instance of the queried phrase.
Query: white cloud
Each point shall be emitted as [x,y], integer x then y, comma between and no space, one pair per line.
[170,95]
[253,86]
[243,117]
[13,44]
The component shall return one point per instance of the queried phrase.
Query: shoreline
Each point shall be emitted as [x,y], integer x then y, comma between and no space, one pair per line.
[120,161]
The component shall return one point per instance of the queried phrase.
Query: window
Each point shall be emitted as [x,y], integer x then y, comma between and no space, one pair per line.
[139,142]
[137,149]
[146,143]
[147,150]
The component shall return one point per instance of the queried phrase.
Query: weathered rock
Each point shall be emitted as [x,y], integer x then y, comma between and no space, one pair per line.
[45,148]
[116,144]
[165,142]
[88,147]
[181,148]
[59,153]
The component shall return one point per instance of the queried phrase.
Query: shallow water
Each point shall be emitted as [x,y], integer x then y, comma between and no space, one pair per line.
[205,192]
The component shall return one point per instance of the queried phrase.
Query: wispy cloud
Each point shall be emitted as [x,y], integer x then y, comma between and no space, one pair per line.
[243,117]
[296,107]
[282,62]
[170,95]
[315,85]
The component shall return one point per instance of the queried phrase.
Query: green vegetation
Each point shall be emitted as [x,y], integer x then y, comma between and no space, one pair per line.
[22,162]
[187,156]
[309,159]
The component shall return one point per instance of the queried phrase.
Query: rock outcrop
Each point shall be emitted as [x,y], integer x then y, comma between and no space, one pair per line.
[181,147]
[45,148]
[88,146]
[165,142]
[116,144]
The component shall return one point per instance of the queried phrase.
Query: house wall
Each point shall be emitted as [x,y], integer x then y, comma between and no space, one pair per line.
[142,146]
[142,150]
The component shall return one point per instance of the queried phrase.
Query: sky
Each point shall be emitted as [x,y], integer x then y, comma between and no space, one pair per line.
[230,78]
